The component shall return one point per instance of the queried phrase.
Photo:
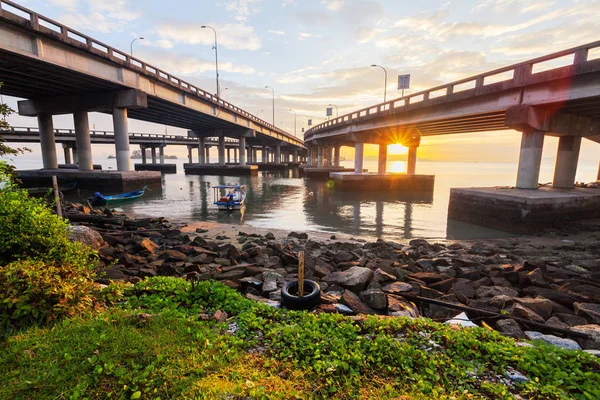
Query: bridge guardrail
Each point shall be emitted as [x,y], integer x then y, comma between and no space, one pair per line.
[509,76]
[50,27]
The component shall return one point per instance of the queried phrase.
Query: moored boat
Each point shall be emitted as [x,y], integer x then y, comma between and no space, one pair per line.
[101,200]
[229,197]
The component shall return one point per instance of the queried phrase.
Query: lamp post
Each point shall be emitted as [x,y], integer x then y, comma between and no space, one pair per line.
[272,90]
[337,113]
[215,47]
[295,116]
[385,81]
[131,44]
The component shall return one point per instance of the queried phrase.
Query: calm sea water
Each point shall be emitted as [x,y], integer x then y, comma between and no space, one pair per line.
[285,201]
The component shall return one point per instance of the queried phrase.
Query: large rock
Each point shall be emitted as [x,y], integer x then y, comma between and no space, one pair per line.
[174,255]
[464,287]
[542,307]
[568,344]
[491,291]
[375,298]
[593,331]
[588,310]
[399,307]
[554,295]
[398,287]
[510,327]
[523,312]
[354,278]
[87,236]
[354,302]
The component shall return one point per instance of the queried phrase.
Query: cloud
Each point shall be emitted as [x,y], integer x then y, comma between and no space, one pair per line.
[186,64]
[306,35]
[232,36]
[275,32]
[522,6]
[68,4]
[333,5]
[98,16]
[242,8]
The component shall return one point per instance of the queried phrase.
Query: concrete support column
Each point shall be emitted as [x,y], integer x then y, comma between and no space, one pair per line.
[75,155]
[255,155]
[411,166]
[201,151]
[278,154]
[598,178]
[143,149]
[319,156]
[359,149]
[221,150]
[207,154]
[242,151]
[310,156]
[263,157]
[336,156]
[566,161]
[153,151]
[532,144]
[228,155]
[67,151]
[47,141]
[235,155]
[190,155]
[161,154]
[248,155]
[121,128]
[295,156]
[382,161]
[83,141]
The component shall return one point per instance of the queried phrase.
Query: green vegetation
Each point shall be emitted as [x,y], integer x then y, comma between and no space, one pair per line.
[5,150]
[155,344]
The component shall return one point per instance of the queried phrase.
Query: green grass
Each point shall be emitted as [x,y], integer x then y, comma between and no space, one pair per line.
[273,354]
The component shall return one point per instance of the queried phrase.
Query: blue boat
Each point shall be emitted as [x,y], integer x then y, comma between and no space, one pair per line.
[233,199]
[100,200]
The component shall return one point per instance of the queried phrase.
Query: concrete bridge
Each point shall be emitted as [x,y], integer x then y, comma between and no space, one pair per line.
[533,97]
[553,95]
[63,71]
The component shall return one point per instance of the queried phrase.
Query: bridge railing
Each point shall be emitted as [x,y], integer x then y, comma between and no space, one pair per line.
[506,77]
[77,39]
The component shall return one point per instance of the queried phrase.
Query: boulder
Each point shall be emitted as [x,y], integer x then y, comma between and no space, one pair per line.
[593,331]
[556,323]
[375,298]
[354,278]
[148,245]
[343,256]
[491,291]
[568,344]
[554,295]
[588,310]
[571,319]
[510,327]
[87,236]
[381,276]
[399,307]
[520,311]
[397,287]
[542,307]
[270,282]
[353,301]
[463,287]
[443,286]
[174,255]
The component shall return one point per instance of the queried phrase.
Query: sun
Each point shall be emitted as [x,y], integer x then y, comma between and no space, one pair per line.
[397,149]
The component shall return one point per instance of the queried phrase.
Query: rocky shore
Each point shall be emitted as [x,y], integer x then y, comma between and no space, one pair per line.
[520,287]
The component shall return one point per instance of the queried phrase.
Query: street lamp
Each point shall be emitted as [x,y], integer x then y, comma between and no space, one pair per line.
[131,45]
[273,90]
[337,113]
[295,116]
[216,57]
[385,81]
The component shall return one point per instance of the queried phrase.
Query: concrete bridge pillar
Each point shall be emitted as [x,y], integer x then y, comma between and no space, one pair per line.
[143,149]
[75,155]
[228,155]
[207,154]
[161,154]
[153,151]
[598,178]
[190,159]
[566,161]
[121,128]
[263,154]
[67,151]
[47,141]
[319,156]
[83,141]
[201,151]
[411,166]
[254,154]
[235,155]
[358,157]
[278,154]
[249,154]
[242,151]
[336,156]
[295,156]
[382,160]
[221,150]
[530,159]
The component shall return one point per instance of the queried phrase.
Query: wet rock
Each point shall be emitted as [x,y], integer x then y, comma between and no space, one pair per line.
[536,278]
[430,293]
[320,271]
[131,259]
[542,307]
[510,327]
[520,311]
[354,302]
[375,298]
[589,311]
[355,278]
[233,275]
[87,236]
[568,344]
[491,291]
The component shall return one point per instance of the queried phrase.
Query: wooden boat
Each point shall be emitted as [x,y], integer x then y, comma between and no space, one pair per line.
[233,199]
[100,200]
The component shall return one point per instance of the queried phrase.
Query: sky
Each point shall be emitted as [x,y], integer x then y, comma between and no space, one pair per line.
[318,52]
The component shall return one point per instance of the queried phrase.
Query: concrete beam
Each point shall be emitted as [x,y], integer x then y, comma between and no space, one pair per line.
[553,123]
[100,101]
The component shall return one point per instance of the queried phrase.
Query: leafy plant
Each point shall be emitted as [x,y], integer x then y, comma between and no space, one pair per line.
[5,150]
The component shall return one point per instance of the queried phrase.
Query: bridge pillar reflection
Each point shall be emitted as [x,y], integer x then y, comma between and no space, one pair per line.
[242,150]
[153,152]
[358,157]
[67,152]
[47,141]
[319,156]
[382,160]
[336,156]
[566,161]
[82,138]
[121,128]
[221,150]
[201,150]
[530,159]
[411,166]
